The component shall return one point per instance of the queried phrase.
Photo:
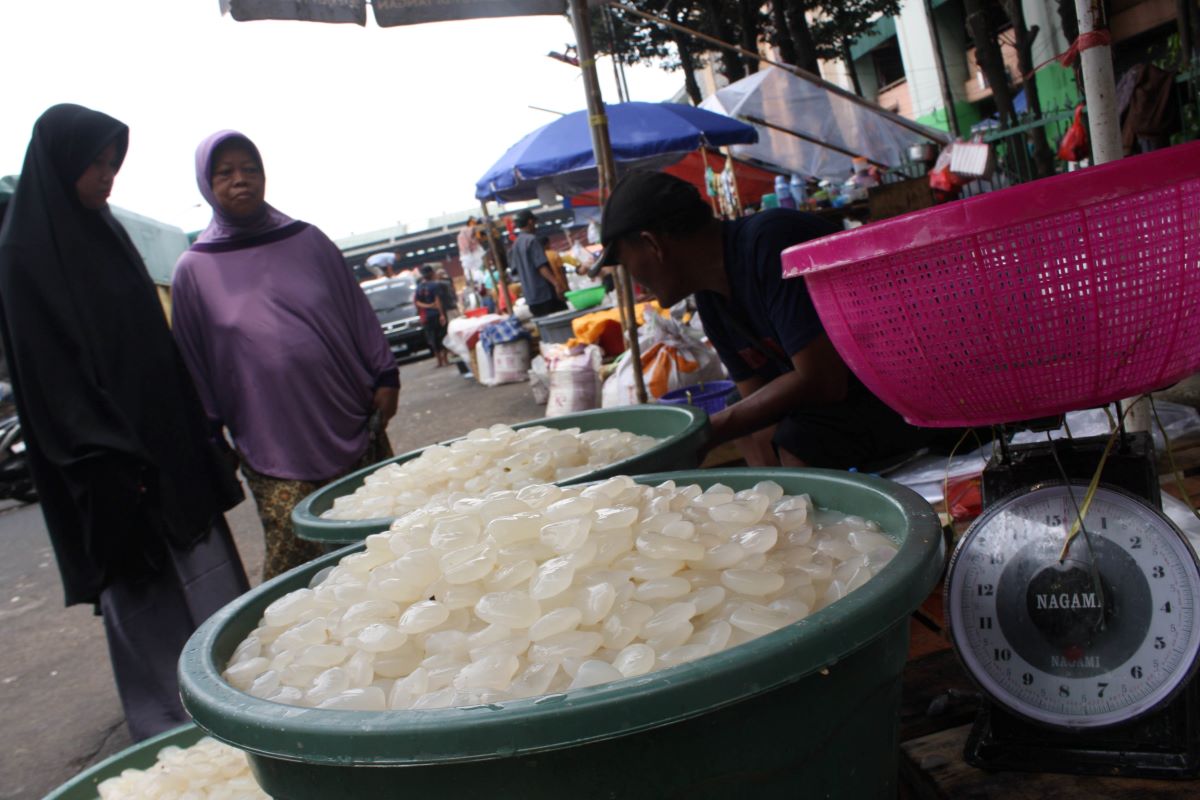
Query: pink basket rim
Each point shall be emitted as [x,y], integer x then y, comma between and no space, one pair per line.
[999,209]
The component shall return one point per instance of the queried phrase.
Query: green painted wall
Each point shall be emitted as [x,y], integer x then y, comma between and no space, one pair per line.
[1056,87]
[967,115]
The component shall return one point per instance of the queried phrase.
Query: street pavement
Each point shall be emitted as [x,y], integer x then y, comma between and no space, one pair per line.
[60,706]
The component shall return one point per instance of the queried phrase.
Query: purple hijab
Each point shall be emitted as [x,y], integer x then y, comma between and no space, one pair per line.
[283,346]
[224,227]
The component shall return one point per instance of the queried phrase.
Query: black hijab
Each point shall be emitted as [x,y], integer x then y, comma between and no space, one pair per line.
[118,444]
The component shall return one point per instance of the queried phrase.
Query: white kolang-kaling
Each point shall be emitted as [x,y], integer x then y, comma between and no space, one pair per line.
[486,460]
[208,770]
[548,589]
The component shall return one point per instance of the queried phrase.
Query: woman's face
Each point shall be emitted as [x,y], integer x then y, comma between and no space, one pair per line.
[95,184]
[238,181]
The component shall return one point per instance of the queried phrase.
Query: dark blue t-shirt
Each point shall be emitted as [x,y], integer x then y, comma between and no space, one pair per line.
[778,312]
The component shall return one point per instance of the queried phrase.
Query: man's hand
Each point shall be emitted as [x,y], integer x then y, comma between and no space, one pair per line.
[385,402]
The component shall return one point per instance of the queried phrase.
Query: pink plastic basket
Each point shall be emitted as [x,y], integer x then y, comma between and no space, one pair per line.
[1064,293]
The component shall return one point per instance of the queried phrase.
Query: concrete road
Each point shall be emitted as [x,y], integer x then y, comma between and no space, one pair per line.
[60,707]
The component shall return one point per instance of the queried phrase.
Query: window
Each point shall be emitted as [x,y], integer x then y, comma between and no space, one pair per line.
[889,67]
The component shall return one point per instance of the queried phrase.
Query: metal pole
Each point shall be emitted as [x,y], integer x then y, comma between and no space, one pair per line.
[497,263]
[903,122]
[943,78]
[602,148]
[812,140]
[618,76]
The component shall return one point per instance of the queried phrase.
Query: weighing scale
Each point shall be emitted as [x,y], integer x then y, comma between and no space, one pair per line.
[1086,653]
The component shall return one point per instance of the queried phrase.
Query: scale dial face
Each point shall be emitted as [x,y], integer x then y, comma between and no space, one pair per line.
[1104,636]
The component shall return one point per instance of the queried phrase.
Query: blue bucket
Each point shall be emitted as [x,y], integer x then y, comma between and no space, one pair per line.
[712,396]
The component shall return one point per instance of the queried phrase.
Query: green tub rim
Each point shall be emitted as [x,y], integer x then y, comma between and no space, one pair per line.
[441,736]
[140,755]
[312,527]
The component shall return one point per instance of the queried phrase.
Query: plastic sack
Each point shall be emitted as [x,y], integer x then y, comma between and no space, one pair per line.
[574,378]
[510,362]
[539,380]
[1074,144]
[483,360]
[461,329]
[582,255]
[673,356]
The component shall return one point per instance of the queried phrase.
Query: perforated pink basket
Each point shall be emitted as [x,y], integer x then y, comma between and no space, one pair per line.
[1064,293]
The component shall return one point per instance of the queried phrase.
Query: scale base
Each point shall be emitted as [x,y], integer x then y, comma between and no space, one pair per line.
[1164,744]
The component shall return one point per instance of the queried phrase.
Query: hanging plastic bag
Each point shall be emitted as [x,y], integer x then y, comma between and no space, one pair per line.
[1074,144]
[673,356]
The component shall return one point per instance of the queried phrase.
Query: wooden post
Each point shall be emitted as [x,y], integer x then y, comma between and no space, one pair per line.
[605,167]
[497,261]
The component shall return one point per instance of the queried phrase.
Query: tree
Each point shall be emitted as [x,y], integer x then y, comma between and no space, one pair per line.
[639,41]
[1023,37]
[839,25]
[982,25]
[743,23]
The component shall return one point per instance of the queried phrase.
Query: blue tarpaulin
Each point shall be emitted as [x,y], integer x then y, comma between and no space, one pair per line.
[646,135]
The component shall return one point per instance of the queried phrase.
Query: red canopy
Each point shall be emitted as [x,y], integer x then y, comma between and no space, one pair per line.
[752,182]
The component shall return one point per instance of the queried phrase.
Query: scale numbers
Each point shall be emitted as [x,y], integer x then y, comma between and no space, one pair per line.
[1104,636]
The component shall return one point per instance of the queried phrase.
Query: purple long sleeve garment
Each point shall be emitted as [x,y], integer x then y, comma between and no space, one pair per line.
[284,349]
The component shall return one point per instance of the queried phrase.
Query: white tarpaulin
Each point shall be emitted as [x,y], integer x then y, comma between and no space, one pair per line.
[791,103]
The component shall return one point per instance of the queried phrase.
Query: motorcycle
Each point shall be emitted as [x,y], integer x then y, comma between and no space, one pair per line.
[16,481]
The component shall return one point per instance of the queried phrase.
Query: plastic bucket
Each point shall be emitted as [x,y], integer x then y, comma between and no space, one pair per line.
[811,710]
[140,756]
[682,429]
[711,397]
[585,298]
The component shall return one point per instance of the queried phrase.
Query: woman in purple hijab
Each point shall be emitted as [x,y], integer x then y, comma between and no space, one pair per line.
[284,348]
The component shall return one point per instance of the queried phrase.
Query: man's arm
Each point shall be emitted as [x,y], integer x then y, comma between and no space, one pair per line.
[547,272]
[819,378]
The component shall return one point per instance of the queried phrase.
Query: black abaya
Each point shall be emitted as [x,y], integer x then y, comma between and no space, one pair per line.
[118,444]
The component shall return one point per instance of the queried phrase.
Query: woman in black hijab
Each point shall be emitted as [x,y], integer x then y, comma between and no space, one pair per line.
[131,484]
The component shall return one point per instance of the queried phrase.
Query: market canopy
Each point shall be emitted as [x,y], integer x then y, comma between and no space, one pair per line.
[558,157]
[806,129]
[388,13]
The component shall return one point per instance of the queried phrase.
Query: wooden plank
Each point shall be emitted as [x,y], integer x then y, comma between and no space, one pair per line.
[932,768]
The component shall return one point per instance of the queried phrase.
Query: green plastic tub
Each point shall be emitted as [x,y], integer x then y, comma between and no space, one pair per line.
[683,429]
[585,298]
[811,710]
[140,756]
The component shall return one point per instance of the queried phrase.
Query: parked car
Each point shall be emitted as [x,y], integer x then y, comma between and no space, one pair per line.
[392,299]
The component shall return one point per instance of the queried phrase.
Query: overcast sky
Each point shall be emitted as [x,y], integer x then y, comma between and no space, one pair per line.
[359,128]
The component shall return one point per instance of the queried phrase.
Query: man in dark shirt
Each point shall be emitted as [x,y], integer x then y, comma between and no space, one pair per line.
[543,288]
[800,404]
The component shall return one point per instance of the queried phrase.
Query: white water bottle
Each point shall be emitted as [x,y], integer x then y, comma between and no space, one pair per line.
[798,193]
[784,192]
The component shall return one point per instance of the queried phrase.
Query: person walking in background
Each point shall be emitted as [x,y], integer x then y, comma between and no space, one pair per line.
[542,285]
[449,295]
[431,305]
[131,484]
[287,354]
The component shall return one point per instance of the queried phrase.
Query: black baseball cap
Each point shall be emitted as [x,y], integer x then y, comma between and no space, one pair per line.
[523,217]
[640,199]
